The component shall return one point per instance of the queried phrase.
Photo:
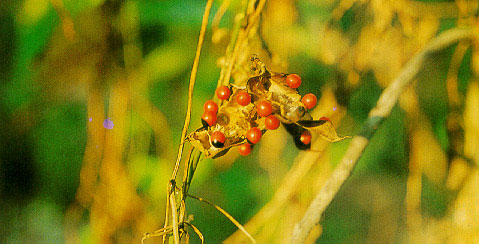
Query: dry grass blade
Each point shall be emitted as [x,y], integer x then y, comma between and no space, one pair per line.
[176,234]
[186,173]
[160,232]
[227,215]
[243,35]
[219,14]
[191,87]
[65,18]
[452,74]
[383,108]
[197,231]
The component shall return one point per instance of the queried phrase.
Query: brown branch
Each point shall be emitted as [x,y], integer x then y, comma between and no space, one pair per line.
[383,108]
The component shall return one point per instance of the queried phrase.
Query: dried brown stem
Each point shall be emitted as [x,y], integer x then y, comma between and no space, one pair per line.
[176,234]
[383,108]
[243,35]
[191,87]
[197,231]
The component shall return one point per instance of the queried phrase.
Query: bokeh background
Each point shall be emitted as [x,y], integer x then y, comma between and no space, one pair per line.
[66,66]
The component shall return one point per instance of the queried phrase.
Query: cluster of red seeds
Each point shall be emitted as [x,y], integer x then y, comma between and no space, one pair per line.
[263,108]
[309,100]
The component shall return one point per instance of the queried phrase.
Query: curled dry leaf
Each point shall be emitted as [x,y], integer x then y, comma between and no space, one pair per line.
[323,127]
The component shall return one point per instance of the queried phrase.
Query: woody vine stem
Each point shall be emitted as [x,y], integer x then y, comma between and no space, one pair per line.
[377,115]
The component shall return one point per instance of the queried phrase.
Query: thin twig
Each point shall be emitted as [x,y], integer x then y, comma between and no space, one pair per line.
[383,108]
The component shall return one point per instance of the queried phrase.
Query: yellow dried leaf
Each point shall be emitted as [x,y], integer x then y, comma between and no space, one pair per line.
[332,46]
[365,47]
[324,128]
[458,171]
[471,122]
[475,58]
[425,30]
[34,10]
[466,211]
[387,58]
[427,152]
[383,13]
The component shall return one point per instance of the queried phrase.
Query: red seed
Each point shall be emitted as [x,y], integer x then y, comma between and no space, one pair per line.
[243,98]
[254,135]
[244,149]
[293,81]
[264,108]
[223,92]
[305,138]
[309,100]
[210,106]
[271,122]
[218,139]
[209,117]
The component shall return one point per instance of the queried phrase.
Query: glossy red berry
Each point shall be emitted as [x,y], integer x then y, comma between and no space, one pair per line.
[244,149]
[309,100]
[210,106]
[243,98]
[264,108]
[254,135]
[305,138]
[271,122]
[223,92]
[208,118]
[293,80]
[218,139]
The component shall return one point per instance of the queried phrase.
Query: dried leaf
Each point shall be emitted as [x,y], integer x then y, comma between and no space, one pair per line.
[466,211]
[426,151]
[324,127]
[471,124]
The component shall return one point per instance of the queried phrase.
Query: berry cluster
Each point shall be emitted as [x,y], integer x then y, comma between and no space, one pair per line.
[246,114]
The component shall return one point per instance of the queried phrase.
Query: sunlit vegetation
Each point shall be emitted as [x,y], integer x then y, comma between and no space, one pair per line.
[94,95]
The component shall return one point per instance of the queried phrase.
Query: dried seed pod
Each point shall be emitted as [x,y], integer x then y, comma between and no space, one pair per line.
[240,121]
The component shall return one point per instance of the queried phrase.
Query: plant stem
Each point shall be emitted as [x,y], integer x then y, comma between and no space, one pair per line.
[191,87]
[385,104]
